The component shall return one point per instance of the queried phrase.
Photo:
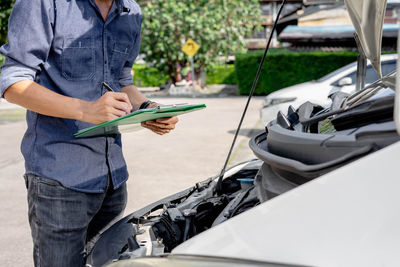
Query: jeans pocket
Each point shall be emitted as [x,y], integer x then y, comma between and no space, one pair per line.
[61,206]
[52,188]
[78,59]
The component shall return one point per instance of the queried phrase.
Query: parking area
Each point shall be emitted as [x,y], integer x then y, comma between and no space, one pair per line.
[158,165]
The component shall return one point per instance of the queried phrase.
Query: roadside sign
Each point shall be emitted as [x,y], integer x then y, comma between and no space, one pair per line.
[190,48]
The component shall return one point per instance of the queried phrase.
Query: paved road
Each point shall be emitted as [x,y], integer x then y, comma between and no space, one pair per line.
[4,105]
[158,165]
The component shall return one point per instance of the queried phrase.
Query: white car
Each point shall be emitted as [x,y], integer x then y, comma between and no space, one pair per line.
[317,92]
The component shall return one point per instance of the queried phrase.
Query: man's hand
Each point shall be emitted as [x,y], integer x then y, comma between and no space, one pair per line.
[108,107]
[161,126]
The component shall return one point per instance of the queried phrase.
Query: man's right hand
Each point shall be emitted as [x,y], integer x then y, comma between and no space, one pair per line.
[108,107]
[39,99]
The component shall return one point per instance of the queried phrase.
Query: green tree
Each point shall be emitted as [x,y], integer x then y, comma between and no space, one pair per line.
[218,26]
[5,11]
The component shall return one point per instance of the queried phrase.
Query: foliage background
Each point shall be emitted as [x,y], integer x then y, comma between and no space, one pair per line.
[146,76]
[5,10]
[218,26]
[284,68]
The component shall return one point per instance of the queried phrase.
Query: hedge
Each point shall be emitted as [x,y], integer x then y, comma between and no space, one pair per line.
[221,74]
[285,69]
[150,77]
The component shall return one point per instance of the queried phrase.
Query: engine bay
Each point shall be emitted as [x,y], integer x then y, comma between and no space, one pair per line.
[162,226]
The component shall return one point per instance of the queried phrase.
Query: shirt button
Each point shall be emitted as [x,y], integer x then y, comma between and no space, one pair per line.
[105,62]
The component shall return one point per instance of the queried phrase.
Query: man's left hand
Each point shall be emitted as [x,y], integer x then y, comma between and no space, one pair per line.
[161,126]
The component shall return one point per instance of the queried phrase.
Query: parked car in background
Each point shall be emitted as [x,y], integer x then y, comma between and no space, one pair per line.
[318,91]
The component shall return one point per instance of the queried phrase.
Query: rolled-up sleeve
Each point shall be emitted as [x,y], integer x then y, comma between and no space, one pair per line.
[13,72]
[126,78]
[30,34]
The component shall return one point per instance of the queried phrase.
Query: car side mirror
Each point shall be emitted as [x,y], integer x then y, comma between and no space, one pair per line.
[345,81]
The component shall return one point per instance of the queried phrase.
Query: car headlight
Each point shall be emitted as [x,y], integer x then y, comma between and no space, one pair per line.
[276,101]
[190,261]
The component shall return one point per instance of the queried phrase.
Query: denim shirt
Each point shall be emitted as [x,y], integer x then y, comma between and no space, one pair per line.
[66,46]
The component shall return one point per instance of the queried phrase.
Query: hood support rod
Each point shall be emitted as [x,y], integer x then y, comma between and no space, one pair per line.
[221,176]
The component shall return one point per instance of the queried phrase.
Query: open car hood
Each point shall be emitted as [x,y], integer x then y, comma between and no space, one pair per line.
[367,17]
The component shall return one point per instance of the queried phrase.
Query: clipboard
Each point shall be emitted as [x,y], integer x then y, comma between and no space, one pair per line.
[136,117]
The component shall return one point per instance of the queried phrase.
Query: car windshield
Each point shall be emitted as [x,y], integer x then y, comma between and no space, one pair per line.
[371,75]
[336,72]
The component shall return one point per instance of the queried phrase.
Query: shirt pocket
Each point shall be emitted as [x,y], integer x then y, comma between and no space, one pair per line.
[78,59]
[120,55]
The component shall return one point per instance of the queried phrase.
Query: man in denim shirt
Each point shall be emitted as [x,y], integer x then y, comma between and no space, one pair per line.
[58,55]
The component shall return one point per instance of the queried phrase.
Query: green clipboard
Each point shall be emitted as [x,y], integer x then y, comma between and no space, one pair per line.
[113,127]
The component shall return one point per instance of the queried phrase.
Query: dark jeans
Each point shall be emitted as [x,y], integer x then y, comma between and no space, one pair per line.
[63,221]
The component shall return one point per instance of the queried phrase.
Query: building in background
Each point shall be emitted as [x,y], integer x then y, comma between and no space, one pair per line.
[269,10]
[317,25]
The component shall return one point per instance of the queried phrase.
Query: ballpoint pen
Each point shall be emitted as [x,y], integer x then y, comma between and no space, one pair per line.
[107,87]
